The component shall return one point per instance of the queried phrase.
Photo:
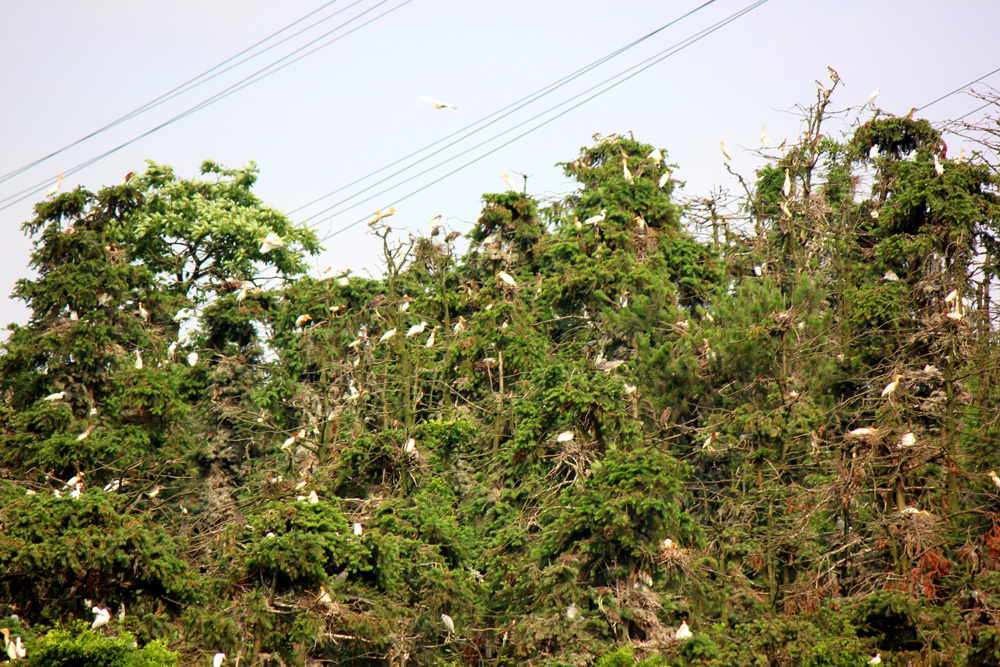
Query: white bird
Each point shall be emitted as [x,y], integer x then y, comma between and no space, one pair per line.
[102,617]
[77,491]
[312,498]
[890,276]
[565,436]
[192,358]
[301,320]
[430,339]
[572,611]
[683,632]
[358,529]
[324,597]
[876,660]
[459,325]
[138,360]
[627,173]
[710,440]
[113,485]
[171,351]
[55,397]
[908,440]
[143,313]
[996,480]
[387,335]
[183,314]
[505,278]
[270,242]
[786,187]
[416,329]
[9,646]
[952,295]
[83,436]
[862,432]
[938,168]
[55,188]
[218,659]
[19,649]
[437,104]
[873,152]
[448,623]
[655,155]
[664,178]
[121,612]
[725,151]
[597,219]
[241,295]
[410,447]
[510,186]
[891,387]
[765,140]
[871,98]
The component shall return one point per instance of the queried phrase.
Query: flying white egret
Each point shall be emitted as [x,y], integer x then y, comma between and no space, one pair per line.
[683,632]
[138,360]
[725,151]
[448,623]
[416,329]
[565,436]
[192,358]
[358,529]
[938,168]
[387,335]
[871,98]
[218,659]
[55,188]
[504,277]
[891,387]
[996,480]
[437,104]
[55,397]
[270,242]
[597,219]
[876,659]
[101,618]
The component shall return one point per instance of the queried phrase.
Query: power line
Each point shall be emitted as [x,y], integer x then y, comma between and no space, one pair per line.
[236,87]
[500,115]
[190,84]
[959,89]
[646,64]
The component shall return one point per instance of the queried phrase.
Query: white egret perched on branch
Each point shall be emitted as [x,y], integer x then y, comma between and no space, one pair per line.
[891,387]
[101,618]
[270,242]
[387,335]
[183,314]
[510,186]
[55,188]
[871,98]
[505,278]
[448,623]
[437,104]
[938,168]
[786,187]
[597,219]
[627,173]
[416,329]
[725,151]
[765,140]
[683,632]
[8,645]
[218,659]
[996,480]
[192,358]
[138,360]
[358,529]
[55,397]
[876,659]
[565,436]
[908,440]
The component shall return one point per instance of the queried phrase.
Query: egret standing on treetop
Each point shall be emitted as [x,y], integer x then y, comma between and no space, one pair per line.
[871,98]
[765,140]
[55,188]
[725,151]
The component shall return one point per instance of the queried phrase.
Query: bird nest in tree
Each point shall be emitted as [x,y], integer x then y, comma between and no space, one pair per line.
[573,459]
[636,614]
[674,559]
[916,530]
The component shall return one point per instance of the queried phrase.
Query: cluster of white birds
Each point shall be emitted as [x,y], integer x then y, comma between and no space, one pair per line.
[15,649]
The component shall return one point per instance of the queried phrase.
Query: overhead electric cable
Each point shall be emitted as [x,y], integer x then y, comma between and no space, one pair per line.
[190,84]
[501,113]
[646,64]
[236,87]
[959,89]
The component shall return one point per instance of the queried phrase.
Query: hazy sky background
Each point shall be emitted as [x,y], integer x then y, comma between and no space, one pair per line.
[350,108]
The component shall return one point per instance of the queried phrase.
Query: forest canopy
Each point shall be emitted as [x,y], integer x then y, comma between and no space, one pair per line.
[573,436]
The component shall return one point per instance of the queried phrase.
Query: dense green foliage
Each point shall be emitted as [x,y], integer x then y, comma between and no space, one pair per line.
[592,426]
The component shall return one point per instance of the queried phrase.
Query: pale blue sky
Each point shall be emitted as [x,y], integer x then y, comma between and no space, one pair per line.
[71,67]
